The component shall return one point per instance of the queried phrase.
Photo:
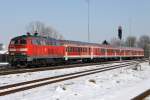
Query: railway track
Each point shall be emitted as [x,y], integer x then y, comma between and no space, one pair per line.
[25,70]
[142,96]
[13,88]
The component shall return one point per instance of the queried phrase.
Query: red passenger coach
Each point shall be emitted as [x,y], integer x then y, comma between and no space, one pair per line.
[38,50]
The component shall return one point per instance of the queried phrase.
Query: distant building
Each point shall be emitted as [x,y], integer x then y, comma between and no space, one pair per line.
[147,51]
[1,46]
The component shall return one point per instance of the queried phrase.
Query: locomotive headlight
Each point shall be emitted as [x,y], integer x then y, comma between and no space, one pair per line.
[23,53]
[23,49]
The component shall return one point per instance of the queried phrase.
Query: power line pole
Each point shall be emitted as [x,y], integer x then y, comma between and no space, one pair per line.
[88,1]
[130,29]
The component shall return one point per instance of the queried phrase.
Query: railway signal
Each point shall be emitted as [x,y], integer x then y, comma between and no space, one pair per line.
[120,37]
[120,32]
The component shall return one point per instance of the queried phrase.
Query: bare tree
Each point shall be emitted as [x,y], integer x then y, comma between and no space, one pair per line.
[117,42]
[131,41]
[114,42]
[43,30]
[36,26]
[144,42]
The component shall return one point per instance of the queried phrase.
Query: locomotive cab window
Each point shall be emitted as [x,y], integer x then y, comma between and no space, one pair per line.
[19,41]
[23,41]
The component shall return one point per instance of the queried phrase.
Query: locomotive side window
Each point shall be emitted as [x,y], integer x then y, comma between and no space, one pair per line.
[43,42]
[38,42]
[34,42]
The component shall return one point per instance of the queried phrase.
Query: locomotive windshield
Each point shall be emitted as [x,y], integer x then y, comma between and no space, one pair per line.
[19,41]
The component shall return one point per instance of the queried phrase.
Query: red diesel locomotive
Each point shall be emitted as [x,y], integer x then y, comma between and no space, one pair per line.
[34,50]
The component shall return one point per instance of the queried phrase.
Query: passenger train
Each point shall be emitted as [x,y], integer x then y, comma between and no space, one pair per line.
[38,50]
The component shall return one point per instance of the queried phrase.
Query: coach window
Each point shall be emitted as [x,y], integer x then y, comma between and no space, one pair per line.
[108,50]
[72,49]
[68,49]
[98,50]
[113,51]
[89,49]
[76,49]
[80,49]
[103,50]
[83,49]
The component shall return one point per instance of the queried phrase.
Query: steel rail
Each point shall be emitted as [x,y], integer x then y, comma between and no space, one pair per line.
[142,96]
[4,90]
[25,70]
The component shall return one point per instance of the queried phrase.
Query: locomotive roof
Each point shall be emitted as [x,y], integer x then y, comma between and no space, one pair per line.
[70,42]
[32,36]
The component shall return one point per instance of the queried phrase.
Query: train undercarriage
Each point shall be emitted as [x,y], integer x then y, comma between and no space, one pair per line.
[24,61]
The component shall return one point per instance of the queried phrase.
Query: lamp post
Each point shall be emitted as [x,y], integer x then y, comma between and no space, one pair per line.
[88,1]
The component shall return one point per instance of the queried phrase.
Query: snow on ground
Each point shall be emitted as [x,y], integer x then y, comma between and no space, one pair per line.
[109,85]
[3,63]
[3,51]
[16,78]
